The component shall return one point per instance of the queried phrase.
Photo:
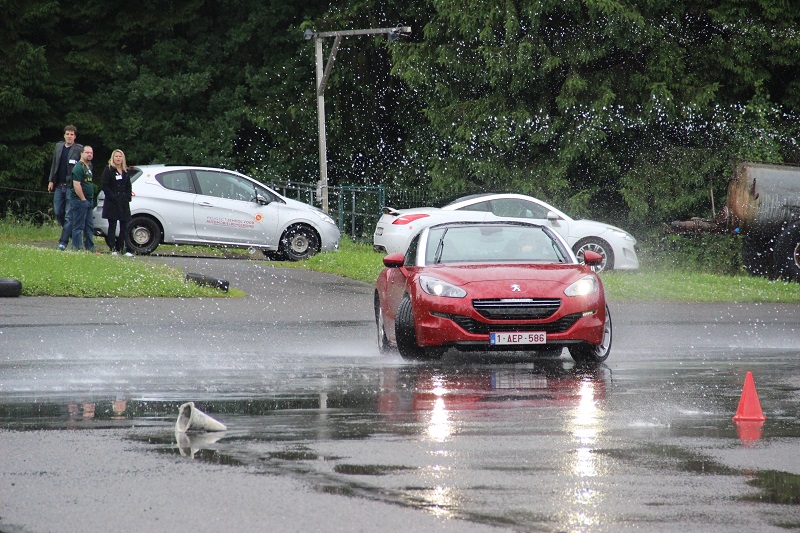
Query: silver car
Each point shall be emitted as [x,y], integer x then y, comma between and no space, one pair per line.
[617,247]
[213,206]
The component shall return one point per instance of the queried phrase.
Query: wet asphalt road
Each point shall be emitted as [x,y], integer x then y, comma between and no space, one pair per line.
[326,434]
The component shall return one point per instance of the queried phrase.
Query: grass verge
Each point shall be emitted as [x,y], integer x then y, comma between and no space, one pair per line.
[48,272]
[658,283]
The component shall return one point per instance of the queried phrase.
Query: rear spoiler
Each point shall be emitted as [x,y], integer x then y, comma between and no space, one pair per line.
[391,211]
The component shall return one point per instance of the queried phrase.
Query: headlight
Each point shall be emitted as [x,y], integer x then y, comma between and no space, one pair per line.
[323,216]
[623,235]
[582,287]
[437,287]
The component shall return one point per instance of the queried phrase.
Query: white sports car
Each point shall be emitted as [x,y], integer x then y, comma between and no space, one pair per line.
[213,206]
[395,228]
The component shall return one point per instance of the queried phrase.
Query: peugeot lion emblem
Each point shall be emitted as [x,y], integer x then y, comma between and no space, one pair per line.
[515,288]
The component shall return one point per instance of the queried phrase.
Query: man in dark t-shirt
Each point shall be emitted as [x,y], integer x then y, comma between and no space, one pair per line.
[81,202]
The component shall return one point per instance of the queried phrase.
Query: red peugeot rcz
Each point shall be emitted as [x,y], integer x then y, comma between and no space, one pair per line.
[491,286]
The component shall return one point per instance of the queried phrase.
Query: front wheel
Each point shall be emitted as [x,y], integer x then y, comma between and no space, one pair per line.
[383,340]
[406,336]
[144,235]
[594,353]
[299,243]
[596,245]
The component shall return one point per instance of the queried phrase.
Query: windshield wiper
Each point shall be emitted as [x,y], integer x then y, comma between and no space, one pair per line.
[437,257]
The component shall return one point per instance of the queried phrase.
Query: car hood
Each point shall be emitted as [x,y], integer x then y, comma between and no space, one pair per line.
[306,208]
[542,276]
[596,228]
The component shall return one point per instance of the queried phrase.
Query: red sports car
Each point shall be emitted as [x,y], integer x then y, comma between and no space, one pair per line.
[491,286]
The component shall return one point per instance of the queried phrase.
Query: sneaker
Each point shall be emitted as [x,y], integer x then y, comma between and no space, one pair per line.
[128,254]
[61,247]
[114,253]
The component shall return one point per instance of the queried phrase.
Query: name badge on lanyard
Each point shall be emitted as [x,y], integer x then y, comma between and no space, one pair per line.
[119,176]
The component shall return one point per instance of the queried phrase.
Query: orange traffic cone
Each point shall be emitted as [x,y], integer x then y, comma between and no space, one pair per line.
[749,407]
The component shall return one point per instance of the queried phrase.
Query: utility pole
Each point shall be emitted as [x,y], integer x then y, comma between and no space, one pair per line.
[322,81]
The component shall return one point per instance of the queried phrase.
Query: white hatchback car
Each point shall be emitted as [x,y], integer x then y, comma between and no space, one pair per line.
[212,206]
[395,228]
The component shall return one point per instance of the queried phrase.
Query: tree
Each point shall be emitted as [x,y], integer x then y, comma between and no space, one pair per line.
[578,101]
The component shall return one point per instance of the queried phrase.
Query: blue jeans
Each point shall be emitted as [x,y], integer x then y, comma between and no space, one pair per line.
[66,231]
[82,224]
[60,204]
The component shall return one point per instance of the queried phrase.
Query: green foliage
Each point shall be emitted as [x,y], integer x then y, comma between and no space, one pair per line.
[612,110]
[624,101]
[713,254]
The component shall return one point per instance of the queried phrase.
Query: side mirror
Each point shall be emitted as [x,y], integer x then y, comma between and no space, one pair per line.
[552,217]
[394,260]
[261,200]
[592,258]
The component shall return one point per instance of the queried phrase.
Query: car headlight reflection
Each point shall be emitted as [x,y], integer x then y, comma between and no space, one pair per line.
[437,287]
[582,287]
[324,217]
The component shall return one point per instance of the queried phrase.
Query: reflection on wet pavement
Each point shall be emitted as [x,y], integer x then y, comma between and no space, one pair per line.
[544,445]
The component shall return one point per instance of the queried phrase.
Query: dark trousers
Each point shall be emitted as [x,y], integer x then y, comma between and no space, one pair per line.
[60,203]
[116,242]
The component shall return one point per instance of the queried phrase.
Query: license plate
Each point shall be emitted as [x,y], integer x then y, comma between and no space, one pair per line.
[518,337]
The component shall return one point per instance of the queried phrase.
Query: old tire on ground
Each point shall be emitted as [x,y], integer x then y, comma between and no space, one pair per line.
[595,245]
[756,255]
[144,235]
[10,287]
[299,243]
[407,337]
[272,255]
[383,340]
[208,281]
[594,353]
[787,253]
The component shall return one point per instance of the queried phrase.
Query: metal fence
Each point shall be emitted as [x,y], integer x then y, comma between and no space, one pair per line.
[357,208]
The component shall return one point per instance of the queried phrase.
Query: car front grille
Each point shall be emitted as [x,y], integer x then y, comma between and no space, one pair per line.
[479,328]
[517,308]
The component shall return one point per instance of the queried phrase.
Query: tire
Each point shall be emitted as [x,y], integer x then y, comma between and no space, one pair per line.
[756,255]
[299,243]
[594,353]
[595,245]
[383,341]
[787,254]
[272,255]
[208,281]
[406,336]
[10,287]
[144,235]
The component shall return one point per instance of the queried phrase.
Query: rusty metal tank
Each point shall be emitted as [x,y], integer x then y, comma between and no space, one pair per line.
[764,197]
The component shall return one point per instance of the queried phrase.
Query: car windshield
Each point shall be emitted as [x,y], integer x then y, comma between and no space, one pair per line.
[492,244]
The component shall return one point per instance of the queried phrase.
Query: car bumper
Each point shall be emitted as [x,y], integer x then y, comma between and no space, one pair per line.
[100,223]
[389,238]
[625,257]
[329,236]
[577,321]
